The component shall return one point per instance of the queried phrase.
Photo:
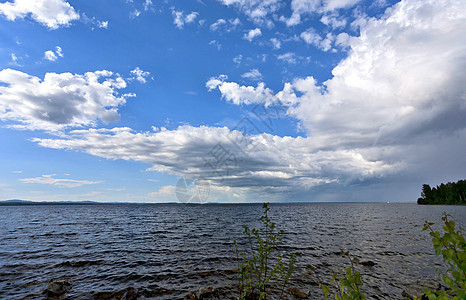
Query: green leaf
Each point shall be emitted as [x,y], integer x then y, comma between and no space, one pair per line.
[348,272]
[325,289]
[357,276]
[448,280]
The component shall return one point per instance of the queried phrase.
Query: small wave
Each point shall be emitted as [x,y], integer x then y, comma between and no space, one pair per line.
[80,263]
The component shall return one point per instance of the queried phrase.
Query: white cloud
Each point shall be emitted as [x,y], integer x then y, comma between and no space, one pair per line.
[235,22]
[117,189]
[216,25]
[59,51]
[288,57]
[134,14]
[342,39]
[216,44]
[59,100]
[50,55]
[191,17]
[53,56]
[224,25]
[102,24]
[333,21]
[180,19]
[237,94]
[237,59]
[256,10]
[98,23]
[301,7]
[147,5]
[312,38]
[60,182]
[276,43]
[389,74]
[168,190]
[14,60]
[139,75]
[252,34]
[50,13]
[253,74]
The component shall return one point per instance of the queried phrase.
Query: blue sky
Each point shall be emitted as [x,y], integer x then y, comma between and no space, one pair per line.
[231,100]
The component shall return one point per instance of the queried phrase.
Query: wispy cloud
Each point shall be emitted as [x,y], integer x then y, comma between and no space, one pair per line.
[303,7]
[15,60]
[253,74]
[60,182]
[289,57]
[117,189]
[216,44]
[276,43]
[180,19]
[312,38]
[224,25]
[258,11]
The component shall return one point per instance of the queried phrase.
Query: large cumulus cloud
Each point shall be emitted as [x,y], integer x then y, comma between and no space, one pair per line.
[398,98]
[59,100]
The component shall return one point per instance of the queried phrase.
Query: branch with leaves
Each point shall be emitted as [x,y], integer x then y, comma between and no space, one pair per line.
[451,245]
[346,282]
[260,265]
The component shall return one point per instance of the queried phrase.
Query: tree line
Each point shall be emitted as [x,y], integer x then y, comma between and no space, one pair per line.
[453,193]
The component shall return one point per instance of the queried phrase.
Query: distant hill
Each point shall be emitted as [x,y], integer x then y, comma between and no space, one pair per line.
[451,193]
[16,201]
[27,202]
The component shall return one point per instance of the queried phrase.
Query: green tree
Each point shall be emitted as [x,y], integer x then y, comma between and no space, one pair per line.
[453,193]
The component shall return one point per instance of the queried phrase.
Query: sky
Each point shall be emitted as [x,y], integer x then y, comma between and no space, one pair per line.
[231,100]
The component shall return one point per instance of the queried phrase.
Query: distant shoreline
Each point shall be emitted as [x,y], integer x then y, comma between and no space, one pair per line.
[93,203]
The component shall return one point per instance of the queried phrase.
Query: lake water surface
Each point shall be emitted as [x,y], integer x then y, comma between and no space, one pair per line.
[167,250]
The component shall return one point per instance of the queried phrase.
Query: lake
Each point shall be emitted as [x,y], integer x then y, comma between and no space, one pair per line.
[167,250]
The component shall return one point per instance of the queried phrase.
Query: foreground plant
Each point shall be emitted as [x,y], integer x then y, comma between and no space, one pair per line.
[451,246]
[346,282]
[260,265]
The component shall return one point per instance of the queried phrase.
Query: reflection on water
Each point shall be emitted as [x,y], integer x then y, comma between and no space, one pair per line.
[168,250]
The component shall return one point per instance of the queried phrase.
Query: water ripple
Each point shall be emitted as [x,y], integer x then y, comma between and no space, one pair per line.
[166,251]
